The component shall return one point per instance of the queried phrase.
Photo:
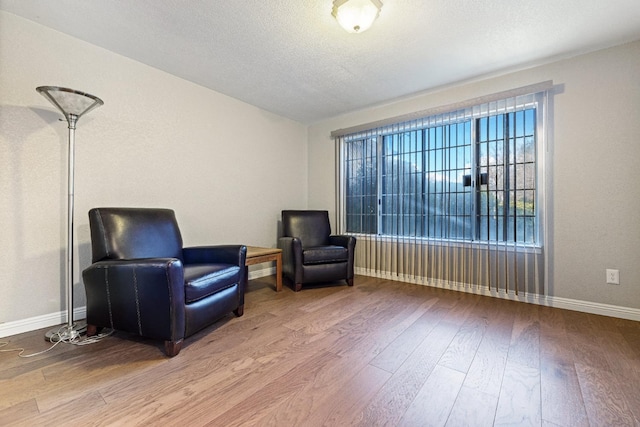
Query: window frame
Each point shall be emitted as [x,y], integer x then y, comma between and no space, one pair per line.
[472,113]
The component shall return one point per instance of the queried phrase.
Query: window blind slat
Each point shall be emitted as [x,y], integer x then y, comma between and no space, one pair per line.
[512,93]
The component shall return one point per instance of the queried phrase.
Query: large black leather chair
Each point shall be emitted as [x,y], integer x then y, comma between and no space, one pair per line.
[143,281]
[310,254]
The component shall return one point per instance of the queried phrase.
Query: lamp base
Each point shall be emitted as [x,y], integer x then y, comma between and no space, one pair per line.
[66,333]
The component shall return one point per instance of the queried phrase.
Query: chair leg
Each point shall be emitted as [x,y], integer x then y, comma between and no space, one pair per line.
[297,287]
[172,348]
[92,330]
[239,311]
[350,282]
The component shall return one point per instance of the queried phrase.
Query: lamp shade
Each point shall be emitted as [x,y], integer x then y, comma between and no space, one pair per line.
[356,16]
[70,101]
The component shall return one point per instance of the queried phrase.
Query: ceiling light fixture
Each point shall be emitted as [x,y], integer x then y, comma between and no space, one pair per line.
[356,16]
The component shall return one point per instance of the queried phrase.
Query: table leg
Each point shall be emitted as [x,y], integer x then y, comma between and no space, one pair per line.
[279,272]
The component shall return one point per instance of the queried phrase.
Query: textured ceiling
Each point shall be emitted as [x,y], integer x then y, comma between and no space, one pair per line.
[290,57]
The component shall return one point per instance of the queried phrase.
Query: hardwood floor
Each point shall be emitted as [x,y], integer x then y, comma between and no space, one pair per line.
[380,353]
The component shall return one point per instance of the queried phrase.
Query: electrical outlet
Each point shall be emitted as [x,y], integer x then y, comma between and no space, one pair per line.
[613,276]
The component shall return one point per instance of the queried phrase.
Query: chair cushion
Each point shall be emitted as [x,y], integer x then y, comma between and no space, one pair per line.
[324,255]
[202,280]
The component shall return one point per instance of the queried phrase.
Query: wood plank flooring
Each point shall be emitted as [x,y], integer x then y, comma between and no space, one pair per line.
[381,353]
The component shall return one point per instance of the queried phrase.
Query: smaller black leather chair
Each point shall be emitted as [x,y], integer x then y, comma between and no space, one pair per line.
[310,254]
[144,282]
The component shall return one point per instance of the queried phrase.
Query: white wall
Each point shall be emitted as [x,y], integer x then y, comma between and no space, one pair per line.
[595,208]
[226,167]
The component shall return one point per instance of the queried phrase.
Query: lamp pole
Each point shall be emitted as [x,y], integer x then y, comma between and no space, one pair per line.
[71,119]
[73,104]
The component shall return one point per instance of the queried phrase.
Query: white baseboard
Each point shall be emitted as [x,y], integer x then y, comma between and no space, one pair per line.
[549,301]
[256,274]
[594,308]
[39,322]
[60,318]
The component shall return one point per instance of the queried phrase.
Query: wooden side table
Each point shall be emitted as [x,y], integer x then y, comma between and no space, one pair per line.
[258,255]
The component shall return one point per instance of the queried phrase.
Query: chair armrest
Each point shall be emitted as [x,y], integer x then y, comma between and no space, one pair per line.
[225,254]
[142,296]
[291,257]
[291,248]
[343,240]
[348,242]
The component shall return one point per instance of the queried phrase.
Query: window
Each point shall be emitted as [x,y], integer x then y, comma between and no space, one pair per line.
[467,175]
[362,193]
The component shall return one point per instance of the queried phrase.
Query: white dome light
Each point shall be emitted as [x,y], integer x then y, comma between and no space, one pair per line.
[356,16]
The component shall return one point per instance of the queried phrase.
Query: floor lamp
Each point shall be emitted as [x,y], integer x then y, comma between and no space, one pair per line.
[73,104]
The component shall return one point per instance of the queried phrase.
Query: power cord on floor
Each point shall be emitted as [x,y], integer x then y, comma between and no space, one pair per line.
[63,335]
[22,350]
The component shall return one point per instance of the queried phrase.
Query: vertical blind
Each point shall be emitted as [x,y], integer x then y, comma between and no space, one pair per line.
[452,197]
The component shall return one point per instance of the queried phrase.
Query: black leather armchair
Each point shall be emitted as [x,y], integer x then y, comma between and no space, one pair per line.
[310,254]
[143,281]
